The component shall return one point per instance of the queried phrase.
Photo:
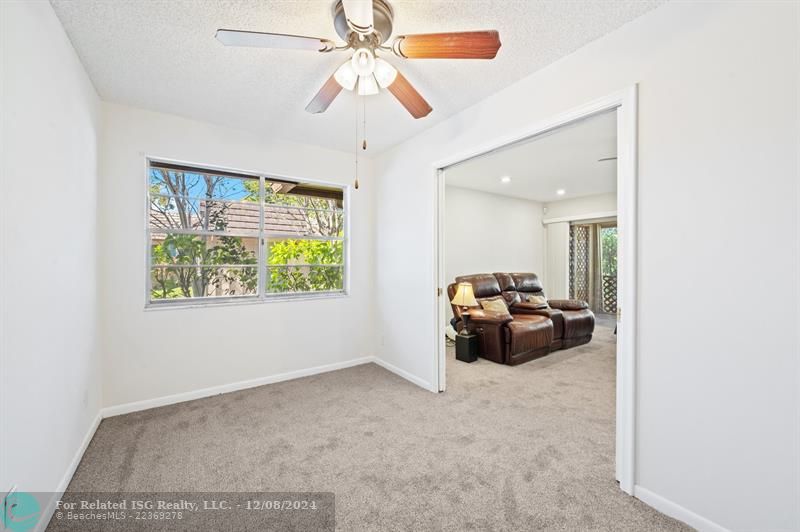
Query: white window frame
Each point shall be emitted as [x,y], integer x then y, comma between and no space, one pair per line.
[263,237]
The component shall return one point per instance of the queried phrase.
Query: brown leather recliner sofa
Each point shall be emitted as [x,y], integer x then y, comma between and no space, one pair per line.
[529,329]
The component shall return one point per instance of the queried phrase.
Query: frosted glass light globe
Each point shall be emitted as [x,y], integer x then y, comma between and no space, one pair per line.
[384,73]
[346,76]
[367,86]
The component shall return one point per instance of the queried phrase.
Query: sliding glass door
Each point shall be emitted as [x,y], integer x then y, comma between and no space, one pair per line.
[593,264]
[608,267]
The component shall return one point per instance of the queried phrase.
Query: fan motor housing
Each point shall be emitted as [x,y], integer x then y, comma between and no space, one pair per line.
[383,18]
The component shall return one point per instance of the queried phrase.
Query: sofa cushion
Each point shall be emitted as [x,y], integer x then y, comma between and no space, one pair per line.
[505,281]
[483,284]
[512,298]
[527,282]
[531,333]
[522,311]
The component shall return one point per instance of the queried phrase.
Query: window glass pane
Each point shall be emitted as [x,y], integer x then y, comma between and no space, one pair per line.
[182,282]
[303,209]
[185,266]
[303,221]
[197,184]
[204,215]
[287,279]
[179,249]
[298,265]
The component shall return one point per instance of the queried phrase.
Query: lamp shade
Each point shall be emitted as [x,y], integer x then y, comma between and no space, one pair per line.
[464,296]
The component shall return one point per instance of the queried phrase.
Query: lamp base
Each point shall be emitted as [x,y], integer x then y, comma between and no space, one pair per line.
[464,322]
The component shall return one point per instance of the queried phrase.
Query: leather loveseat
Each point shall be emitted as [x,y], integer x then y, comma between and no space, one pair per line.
[532,326]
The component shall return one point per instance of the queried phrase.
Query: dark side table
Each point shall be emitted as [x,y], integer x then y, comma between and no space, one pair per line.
[467,347]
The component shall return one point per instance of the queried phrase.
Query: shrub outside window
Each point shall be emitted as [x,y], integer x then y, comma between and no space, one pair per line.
[217,235]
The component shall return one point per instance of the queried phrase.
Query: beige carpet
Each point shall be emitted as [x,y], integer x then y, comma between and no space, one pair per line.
[523,448]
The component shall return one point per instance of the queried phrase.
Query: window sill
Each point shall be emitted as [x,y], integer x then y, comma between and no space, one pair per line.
[255,300]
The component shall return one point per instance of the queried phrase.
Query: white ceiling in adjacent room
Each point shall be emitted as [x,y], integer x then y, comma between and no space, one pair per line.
[566,159]
[162,55]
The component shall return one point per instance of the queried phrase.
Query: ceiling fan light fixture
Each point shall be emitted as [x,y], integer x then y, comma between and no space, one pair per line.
[385,73]
[365,27]
[346,76]
[367,86]
[363,62]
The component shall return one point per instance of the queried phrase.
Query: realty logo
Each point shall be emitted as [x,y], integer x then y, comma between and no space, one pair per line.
[21,512]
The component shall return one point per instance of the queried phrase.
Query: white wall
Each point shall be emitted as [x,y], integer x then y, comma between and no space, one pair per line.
[585,205]
[155,353]
[49,379]
[717,429]
[488,233]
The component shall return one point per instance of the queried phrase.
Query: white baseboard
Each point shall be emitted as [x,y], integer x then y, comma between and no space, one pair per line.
[406,375]
[667,507]
[137,406]
[47,512]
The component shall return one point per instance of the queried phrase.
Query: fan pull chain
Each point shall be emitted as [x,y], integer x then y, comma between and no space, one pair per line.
[364,116]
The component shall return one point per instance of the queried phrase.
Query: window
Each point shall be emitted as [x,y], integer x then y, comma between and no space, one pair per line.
[221,236]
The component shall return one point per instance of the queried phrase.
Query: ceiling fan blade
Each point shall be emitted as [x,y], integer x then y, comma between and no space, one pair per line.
[359,15]
[460,45]
[329,91]
[407,95]
[273,40]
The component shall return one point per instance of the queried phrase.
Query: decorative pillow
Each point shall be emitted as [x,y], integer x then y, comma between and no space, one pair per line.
[536,300]
[495,304]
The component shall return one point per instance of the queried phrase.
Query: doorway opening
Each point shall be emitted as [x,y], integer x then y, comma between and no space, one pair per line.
[582,250]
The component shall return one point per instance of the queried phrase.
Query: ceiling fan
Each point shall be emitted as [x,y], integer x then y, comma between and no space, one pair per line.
[365,27]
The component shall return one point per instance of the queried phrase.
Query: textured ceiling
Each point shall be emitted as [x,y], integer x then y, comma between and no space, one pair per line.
[162,55]
[567,158]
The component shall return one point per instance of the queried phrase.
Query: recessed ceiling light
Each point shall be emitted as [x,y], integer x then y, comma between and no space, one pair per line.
[505,179]
[561,191]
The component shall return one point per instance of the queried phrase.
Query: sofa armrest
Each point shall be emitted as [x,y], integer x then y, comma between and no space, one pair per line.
[529,308]
[483,317]
[491,330]
[568,304]
[546,312]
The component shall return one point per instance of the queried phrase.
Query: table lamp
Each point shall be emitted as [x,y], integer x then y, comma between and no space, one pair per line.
[464,298]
